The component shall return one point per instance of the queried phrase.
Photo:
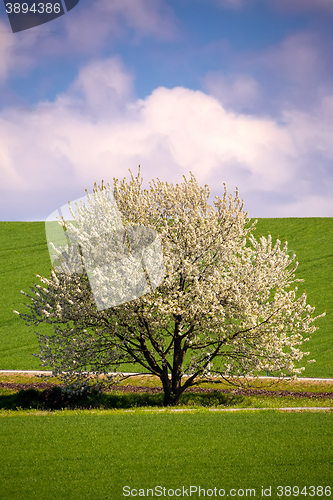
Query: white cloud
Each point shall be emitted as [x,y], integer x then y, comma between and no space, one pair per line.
[236,91]
[60,148]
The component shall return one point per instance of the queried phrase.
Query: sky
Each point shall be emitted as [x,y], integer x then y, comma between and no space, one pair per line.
[235,91]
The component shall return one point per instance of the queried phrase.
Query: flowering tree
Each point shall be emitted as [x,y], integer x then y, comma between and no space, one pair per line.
[218,301]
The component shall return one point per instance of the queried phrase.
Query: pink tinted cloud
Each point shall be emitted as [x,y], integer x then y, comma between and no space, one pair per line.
[147,17]
[170,132]
[7,47]
[112,19]
[85,31]
[102,89]
[16,51]
[298,57]
[59,148]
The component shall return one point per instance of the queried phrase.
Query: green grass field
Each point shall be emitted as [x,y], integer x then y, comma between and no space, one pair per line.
[92,456]
[23,253]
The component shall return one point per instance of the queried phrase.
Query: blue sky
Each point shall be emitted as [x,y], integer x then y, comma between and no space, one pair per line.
[236,91]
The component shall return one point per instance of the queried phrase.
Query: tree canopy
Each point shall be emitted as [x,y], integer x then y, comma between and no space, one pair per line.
[160,278]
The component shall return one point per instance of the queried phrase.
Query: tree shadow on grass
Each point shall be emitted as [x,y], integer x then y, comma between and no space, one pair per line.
[55,399]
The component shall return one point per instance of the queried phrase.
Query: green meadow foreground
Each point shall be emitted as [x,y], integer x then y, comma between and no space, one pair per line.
[107,455]
[23,253]
[123,444]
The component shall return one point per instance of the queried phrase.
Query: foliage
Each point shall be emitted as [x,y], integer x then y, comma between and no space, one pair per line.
[226,306]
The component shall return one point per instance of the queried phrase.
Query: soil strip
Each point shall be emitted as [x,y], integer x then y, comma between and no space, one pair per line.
[155,390]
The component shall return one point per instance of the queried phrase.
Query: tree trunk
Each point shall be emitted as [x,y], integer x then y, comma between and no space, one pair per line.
[172,389]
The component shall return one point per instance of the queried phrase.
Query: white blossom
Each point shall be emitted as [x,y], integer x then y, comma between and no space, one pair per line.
[226,303]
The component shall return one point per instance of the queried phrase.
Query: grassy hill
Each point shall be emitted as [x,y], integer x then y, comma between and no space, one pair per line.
[23,253]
